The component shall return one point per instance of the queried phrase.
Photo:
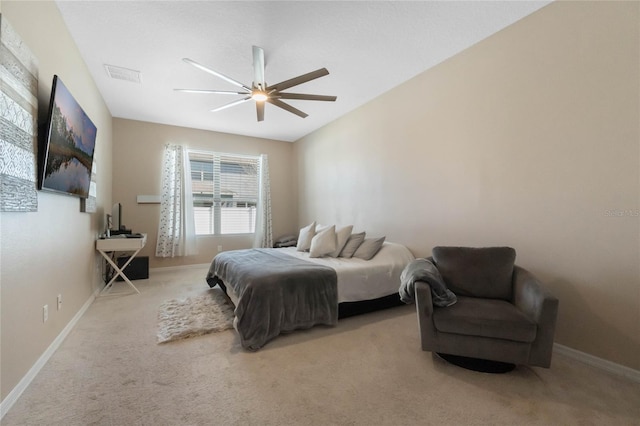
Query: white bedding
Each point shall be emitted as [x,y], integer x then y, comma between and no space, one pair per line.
[365,279]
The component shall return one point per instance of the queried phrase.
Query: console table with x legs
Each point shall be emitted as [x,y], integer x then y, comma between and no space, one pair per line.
[107,246]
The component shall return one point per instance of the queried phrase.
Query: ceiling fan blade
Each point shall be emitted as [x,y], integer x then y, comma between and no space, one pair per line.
[230,104]
[217,92]
[299,80]
[287,107]
[217,74]
[258,67]
[260,110]
[305,97]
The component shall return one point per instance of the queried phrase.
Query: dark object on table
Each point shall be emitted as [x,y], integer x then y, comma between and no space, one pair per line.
[286,241]
[138,269]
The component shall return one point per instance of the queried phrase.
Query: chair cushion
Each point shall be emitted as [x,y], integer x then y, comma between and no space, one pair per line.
[492,318]
[478,272]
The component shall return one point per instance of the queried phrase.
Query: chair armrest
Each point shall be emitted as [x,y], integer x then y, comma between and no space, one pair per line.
[530,296]
[424,309]
[424,303]
[540,305]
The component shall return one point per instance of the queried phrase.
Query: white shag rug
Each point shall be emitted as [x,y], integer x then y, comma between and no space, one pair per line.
[194,316]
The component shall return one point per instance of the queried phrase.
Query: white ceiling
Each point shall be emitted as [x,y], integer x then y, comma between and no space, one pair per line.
[368,47]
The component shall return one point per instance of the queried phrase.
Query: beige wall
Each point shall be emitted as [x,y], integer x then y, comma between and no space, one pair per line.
[137,160]
[528,139]
[51,251]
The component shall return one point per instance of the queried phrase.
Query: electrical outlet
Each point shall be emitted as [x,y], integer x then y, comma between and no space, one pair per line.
[45,313]
[59,301]
[219,249]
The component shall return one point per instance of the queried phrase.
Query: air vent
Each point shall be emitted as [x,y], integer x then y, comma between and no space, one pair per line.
[123,74]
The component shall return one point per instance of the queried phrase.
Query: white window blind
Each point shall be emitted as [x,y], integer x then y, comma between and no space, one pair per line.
[225,192]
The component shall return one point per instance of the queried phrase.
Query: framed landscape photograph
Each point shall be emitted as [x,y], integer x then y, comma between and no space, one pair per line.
[68,145]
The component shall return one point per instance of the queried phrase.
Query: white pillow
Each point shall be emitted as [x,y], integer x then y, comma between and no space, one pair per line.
[324,242]
[342,236]
[320,227]
[305,237]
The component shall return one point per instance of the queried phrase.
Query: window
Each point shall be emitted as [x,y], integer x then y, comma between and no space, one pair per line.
[225,192]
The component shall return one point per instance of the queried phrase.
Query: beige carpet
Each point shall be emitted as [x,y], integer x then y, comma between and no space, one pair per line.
[368,370]
[194,316]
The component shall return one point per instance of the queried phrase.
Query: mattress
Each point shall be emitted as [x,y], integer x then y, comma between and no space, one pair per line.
[360,279]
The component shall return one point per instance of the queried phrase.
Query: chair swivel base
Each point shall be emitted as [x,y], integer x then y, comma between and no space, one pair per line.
[476,364]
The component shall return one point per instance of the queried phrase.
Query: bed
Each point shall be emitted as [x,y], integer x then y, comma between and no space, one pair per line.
[281,290]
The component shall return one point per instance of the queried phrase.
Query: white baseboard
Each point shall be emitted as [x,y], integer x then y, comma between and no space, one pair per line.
[13,396]
[600,363]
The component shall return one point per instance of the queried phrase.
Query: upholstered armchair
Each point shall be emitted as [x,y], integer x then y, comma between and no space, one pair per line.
[502,313]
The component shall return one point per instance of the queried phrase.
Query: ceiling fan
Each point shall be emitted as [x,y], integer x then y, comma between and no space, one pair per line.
[259,91]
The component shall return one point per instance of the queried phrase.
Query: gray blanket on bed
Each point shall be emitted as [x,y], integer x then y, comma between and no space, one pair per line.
[424,270]
[276,292]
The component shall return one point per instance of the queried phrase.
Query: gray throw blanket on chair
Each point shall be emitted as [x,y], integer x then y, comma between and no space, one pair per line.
[424,270]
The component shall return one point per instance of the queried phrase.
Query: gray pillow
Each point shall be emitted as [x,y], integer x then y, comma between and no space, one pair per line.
[352,245]
[369,248]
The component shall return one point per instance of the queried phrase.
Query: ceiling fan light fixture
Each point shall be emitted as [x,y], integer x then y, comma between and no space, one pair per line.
[259,96]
